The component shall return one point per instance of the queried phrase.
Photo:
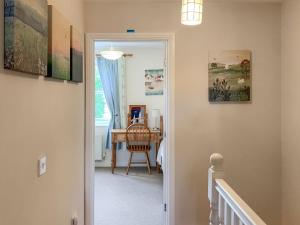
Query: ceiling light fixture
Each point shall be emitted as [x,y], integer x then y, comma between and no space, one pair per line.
[111,54]
[191,12]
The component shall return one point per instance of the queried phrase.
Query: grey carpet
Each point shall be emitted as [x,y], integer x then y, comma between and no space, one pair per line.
[136,199]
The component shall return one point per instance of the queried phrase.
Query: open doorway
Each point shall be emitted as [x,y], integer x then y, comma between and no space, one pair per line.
[119,192]
[135,192]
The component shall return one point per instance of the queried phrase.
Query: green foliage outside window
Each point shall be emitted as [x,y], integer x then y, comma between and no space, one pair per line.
[101,110]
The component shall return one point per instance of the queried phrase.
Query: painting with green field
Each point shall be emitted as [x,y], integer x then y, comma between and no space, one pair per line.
[229,76]
[26,36]
[59,45]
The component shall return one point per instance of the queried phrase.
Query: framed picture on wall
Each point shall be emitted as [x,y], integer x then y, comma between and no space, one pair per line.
[154,82]
[229,76]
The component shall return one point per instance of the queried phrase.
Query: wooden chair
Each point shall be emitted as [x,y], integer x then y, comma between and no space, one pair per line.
[161,127]
[138,141]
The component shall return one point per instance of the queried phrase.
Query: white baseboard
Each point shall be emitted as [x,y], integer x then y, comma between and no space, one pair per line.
[122,159]
[119,164]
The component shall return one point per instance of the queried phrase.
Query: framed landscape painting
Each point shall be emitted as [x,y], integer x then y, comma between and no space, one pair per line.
[76,55]
[26,36]
[230,76]
[59,45]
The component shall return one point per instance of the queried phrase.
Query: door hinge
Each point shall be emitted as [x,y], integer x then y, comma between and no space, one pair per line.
[165,207]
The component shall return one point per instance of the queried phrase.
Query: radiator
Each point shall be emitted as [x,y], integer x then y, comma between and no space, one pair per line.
[99,147]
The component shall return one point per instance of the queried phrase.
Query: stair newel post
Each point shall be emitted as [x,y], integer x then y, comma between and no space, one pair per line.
[215,171]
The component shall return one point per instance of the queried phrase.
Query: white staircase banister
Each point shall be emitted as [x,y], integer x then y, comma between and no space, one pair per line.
[226,207]
[240,207]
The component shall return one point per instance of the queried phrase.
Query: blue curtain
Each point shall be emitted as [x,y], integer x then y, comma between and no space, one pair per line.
[108,70]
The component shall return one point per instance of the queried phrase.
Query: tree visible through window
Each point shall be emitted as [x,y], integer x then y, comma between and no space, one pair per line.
[102,114]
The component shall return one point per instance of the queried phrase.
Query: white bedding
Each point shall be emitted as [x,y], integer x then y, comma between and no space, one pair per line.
[160,155]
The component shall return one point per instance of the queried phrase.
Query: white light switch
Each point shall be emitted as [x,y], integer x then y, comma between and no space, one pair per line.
[42,165]
[75,220]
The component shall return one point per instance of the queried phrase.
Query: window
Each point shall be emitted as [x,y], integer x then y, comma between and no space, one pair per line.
[102,113]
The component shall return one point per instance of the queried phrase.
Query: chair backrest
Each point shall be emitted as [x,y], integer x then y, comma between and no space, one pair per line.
[138,137]
[161,126]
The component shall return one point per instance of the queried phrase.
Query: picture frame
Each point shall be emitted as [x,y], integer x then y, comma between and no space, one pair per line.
[154,82]
[230,76]
[137,114]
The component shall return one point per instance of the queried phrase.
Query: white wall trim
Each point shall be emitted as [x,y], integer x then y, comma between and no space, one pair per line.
[169,178]
[89,135]
[120,164]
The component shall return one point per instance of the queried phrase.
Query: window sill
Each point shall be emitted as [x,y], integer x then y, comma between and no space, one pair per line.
[101,125]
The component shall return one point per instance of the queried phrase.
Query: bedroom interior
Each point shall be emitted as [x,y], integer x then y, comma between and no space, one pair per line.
[129,149]
[154,112]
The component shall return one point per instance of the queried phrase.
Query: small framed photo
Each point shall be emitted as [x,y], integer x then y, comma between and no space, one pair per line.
[137,114]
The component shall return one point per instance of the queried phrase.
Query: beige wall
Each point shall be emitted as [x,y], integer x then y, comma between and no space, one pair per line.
[39,116]
[290,113]
[248,135]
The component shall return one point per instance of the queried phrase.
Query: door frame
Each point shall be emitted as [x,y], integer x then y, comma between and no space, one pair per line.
[169,173]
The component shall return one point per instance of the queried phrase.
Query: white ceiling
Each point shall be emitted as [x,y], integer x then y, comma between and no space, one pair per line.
[112,1]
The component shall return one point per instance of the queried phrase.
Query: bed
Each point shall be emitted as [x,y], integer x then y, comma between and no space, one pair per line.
[161,155]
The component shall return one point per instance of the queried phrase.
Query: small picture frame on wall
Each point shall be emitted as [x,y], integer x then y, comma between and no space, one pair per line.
[154,82]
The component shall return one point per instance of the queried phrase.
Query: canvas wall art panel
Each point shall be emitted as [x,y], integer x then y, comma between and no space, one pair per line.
[26,36]
[76,55]
[230,76]
[154,82]
[59,45]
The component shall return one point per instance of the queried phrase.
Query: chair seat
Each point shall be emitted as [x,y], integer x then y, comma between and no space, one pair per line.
[138,148]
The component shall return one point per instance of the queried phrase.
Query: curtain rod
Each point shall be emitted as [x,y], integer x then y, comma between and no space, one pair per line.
[124,55]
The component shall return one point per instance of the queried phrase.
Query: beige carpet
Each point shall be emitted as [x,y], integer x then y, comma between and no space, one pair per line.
[136,199]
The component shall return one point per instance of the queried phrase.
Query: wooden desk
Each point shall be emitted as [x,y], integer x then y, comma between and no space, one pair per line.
[119,135]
